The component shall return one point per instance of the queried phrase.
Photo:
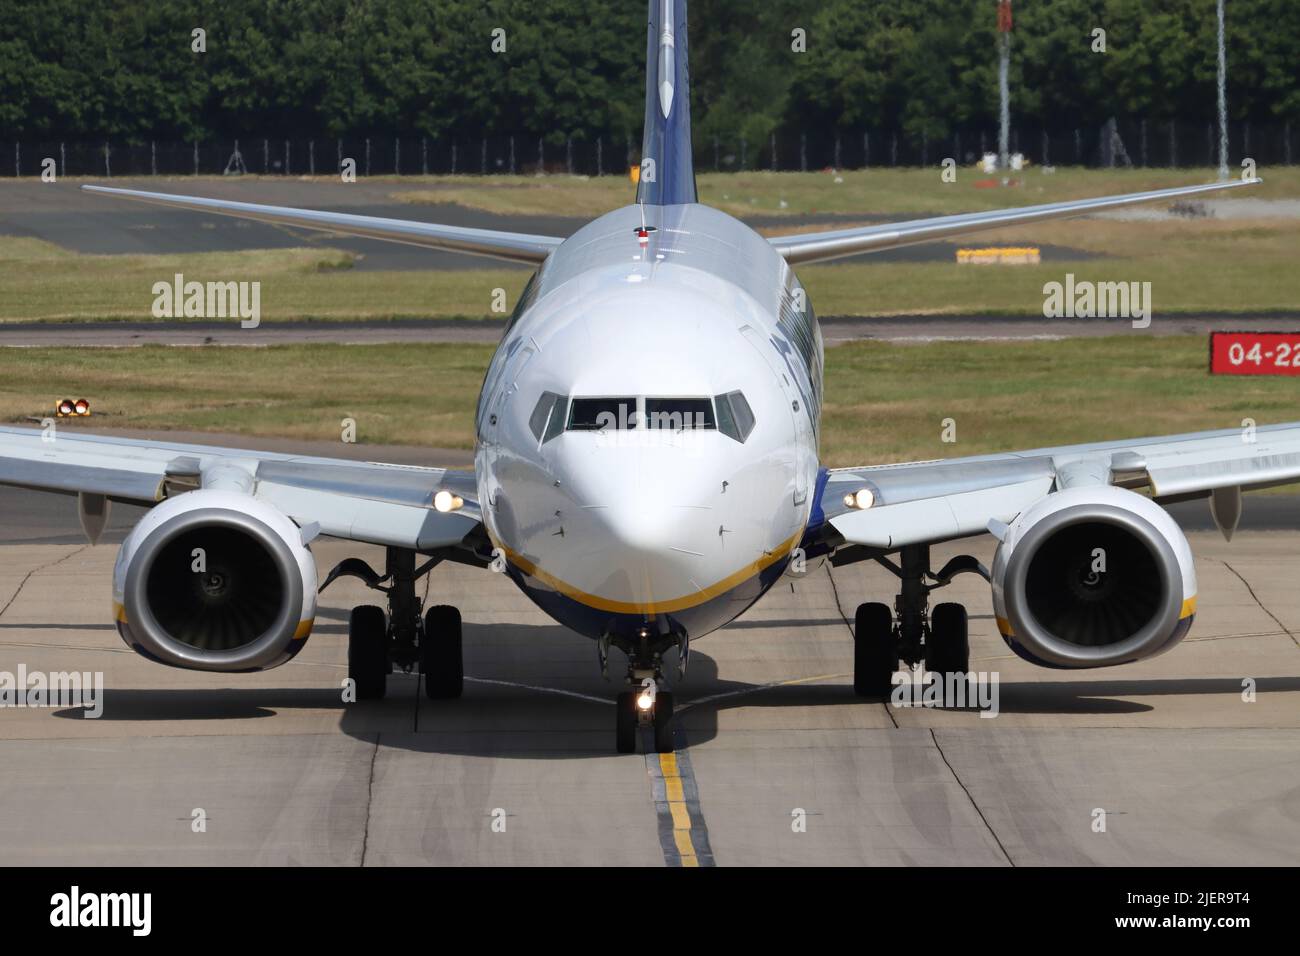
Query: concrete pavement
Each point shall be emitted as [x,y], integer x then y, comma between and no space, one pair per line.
[1186,771]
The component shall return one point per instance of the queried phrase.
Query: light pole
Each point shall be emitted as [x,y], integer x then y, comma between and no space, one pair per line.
[1223,100]
[1004,92]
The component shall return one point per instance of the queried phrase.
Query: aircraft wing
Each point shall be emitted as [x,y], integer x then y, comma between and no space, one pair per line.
[382,504]
[512,246]
[929,502]
[821,246]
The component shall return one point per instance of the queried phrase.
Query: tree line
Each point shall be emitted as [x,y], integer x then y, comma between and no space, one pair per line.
[135,70]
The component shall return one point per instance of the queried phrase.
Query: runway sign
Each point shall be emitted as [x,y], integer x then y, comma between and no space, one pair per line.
[1255,353]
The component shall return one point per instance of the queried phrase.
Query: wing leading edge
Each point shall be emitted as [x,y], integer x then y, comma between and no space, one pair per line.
[375,503]
[511,246]
[929,502]
[821,246]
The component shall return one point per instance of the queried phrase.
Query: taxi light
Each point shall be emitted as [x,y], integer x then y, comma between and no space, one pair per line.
[861,499]
[645,700]
[445,501]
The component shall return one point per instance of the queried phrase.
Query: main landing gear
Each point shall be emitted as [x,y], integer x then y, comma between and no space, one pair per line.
[644,703]
[402,637]
[913,631]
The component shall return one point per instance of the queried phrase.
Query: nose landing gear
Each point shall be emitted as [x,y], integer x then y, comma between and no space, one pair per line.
[645,702]
[644,707]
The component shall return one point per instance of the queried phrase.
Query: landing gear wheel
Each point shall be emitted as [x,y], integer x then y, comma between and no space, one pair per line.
[875,656]
[368,651]
[625,724]
[663,722]
[441,661]
[947,649]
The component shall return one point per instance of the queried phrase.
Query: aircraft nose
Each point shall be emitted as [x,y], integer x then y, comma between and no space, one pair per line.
[646,528]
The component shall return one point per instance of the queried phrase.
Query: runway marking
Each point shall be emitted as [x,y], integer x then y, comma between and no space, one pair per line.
[67,647]
[756,688]
[545,690]
[683,836]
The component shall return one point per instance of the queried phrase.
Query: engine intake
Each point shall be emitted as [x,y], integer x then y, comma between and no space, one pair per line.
[215,580]
[1093,576]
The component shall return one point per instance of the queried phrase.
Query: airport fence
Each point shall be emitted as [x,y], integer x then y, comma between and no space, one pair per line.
[1137,143]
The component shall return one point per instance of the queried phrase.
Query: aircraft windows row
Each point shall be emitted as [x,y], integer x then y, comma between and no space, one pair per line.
[679,414]
[735,419]
[732,416]
[597,414]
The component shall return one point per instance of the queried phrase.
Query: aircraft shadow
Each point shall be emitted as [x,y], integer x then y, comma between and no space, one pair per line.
[534,692]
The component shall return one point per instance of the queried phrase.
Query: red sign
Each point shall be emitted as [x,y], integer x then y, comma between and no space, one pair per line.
[1255,353]
[1004,16]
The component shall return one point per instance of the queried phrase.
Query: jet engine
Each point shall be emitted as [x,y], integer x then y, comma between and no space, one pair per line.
[215,580]
[1093,576]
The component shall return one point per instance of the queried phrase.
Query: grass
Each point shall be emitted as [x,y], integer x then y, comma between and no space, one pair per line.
[400,394]
[42,282]
[880,191]
[884,401]
[1203,265]
[1194,265]
[887,401]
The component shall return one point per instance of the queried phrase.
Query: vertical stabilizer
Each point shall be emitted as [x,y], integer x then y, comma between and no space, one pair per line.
[667,168]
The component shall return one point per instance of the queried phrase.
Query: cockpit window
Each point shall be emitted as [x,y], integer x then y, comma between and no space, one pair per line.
[679,414]
[547,419]
[598,414]
[735,419]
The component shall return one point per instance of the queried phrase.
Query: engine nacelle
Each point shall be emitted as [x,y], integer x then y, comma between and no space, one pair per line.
[217,581]
[1093,576]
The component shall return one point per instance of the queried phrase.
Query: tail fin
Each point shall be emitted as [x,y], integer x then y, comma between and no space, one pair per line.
[667,167]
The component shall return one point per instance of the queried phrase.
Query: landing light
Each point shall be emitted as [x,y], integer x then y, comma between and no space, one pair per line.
[445,501]
[862,499]
[645,700]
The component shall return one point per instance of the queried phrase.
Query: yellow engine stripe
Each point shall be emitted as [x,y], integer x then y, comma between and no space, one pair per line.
[301,632]
[1186,611]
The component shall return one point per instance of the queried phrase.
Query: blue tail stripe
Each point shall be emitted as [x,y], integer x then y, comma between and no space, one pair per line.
[669,178]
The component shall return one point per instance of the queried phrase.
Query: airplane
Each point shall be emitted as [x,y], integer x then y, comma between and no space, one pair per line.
[646,468]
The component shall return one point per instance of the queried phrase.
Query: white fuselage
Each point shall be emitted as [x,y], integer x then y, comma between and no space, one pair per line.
[628,528]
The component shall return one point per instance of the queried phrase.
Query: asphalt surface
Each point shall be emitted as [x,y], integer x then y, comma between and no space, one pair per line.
[836,330]
[769,734]
[63,214]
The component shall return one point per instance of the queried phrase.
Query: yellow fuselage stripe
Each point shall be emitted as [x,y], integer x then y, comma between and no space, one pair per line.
[652,607]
